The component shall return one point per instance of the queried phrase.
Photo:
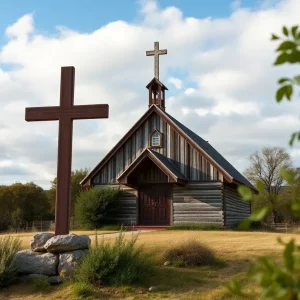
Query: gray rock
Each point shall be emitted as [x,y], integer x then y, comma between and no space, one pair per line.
[167,263]
[39,240]
[68,261]
[55,279]
[27,278]
[30,262]
[69,242]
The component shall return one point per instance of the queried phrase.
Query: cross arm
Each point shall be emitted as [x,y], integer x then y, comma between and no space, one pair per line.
[150,53]
[97,111]
[50,113]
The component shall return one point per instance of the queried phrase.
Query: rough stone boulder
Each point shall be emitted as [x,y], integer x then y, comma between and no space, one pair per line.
[39,240]
[69,242]
[30,277]
[30,262]
[68,261]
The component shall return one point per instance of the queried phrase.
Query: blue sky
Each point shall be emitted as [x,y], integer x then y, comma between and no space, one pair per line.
[218,66]
[89,15]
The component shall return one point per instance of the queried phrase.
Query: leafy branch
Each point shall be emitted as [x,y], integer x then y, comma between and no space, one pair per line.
[288,52]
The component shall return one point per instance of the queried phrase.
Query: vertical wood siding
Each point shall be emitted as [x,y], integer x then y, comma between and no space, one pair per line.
[236,209]
[184,156]
[199,203]
[125,211]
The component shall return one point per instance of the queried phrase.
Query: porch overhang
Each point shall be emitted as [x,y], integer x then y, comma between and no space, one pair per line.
[162,162]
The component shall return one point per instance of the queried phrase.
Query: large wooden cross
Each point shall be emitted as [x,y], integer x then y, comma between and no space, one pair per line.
[65,114]
[156,52]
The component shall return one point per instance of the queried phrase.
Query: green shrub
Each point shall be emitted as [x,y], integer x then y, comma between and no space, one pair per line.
[195,227]
[190,253]
[40,284]
[114,263]
[254,226]
[93,205]
[81,290]
[9,246]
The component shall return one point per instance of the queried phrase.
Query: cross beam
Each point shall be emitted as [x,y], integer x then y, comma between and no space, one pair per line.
[65,114]
[156,52]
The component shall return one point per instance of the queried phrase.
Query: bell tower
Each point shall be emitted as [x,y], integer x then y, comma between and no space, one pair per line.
[155,87]
[156,93]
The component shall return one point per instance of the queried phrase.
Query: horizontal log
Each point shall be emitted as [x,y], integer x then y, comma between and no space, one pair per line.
[196,222]
[177,209]
[237,210]
[208,215]
[202,219]
[196,205]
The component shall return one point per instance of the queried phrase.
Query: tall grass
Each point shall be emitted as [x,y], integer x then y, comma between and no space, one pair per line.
[115,263]
[9,246]
[190,253]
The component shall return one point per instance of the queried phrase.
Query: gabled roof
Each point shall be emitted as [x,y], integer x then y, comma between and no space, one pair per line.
[168,163]
[162,162]
[212,155]
[158,82]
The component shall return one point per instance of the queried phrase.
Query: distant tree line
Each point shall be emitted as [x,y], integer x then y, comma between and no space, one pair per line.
[24,203]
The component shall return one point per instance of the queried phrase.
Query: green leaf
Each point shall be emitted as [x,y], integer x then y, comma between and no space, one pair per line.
[274,37]
[259,214]
[285,31]
[288,255]
[296,208]
[281,59]
[280,93]
[288,91]
[297,79]
[292,139]
[235,288]
[294,31]
[287,45]
[294,57]
[260,186]
[245,224]
[282,80]
[245,192]
[288,175]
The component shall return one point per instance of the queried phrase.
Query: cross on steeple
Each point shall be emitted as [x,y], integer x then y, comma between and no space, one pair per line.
[156,52]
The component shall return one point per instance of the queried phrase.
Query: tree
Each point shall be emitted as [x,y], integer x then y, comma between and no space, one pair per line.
[21,203]
[265,166]
[76,188]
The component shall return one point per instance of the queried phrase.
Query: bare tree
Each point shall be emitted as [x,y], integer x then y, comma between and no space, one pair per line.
[265,166]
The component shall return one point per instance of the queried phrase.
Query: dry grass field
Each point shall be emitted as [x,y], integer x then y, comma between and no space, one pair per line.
[233,247]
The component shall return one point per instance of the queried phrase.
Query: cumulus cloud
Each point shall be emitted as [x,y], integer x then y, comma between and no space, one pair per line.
[228,97]
[176,82]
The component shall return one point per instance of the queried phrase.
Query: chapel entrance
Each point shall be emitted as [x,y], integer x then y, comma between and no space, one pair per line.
[154,204]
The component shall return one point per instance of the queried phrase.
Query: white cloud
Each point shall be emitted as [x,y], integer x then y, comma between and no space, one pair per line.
[176,82]
[21,28]
[189,91]
[228,60]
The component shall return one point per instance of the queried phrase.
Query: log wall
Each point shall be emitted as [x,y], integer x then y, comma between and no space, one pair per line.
[236,209]
[125,211]
[198,203]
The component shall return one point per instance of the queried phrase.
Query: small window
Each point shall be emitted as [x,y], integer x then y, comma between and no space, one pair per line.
[155,139]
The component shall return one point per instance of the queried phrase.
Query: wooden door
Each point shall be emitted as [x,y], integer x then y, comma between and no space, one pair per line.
[154,203]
